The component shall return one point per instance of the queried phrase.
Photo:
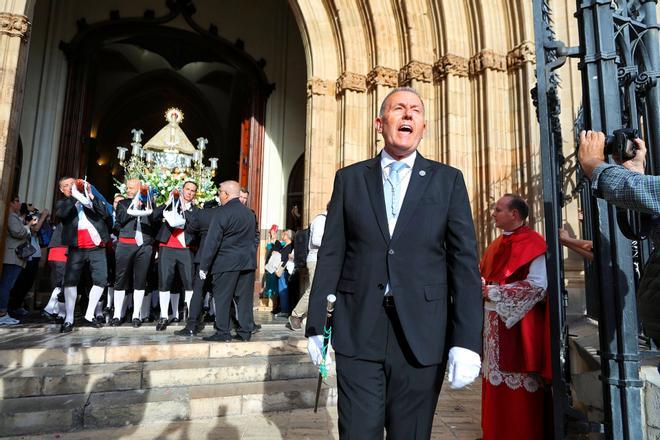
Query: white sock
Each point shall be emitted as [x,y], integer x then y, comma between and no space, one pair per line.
[119,302]
[51,307]
[146,305]
[174,299]
[187,298]
[98,311]
[61,310]
[109,297]
[207,298]
[212,309]
[94,296]
[138,296]
[164,299]
[128,299]
[70,296]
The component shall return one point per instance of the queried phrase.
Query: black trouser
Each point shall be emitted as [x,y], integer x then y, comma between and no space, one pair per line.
[56,274]
[132,266]
[390,390]
[76,261]
[199,287]
[172,260]
[236,286]
[23,284]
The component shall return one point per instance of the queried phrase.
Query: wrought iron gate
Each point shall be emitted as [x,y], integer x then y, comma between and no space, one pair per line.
[619,55]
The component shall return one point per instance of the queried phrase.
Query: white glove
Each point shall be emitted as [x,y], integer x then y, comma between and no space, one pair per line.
[83,199]
[463,367]
[315,350]
[174,219]
[202,275]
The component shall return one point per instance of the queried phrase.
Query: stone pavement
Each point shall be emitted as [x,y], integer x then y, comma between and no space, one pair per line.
[457,417]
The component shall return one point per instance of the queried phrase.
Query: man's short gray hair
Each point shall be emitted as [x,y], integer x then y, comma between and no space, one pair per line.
[381,112]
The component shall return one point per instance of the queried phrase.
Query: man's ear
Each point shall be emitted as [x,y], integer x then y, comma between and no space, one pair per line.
[378,123]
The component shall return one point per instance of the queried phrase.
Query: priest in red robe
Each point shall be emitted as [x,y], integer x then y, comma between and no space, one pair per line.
[516,361]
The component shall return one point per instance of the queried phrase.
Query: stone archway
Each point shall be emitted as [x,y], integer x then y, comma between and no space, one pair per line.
[470,60]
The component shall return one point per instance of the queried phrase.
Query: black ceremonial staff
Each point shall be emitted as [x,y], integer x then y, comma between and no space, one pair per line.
[327,334]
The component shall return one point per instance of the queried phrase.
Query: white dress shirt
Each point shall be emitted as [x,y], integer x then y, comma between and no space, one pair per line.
[404,179]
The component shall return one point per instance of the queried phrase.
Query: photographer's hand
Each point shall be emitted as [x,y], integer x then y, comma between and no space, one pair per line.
[591,151]
[636,164]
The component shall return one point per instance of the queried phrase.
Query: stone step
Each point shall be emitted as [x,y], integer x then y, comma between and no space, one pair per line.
[53,350]
[92,378]
[34,415]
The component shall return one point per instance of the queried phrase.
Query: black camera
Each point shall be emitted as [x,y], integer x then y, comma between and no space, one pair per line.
[30,216]
[622,143]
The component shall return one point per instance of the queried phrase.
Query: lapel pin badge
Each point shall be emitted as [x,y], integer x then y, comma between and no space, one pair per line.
[422,173]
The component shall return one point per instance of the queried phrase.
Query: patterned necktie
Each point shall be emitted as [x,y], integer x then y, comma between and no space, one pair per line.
[394,180]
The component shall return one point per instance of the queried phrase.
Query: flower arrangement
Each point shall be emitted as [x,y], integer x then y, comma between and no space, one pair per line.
[168,161]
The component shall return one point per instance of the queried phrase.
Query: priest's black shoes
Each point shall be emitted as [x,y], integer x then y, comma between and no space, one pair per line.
[137,323]
[161,324]
[115,322]
[217,337]
[240,338]
[67,327]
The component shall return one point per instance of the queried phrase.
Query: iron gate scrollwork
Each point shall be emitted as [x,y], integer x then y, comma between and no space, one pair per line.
[619,55]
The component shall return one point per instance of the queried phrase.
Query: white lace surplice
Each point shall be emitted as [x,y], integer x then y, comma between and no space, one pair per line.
[507,305]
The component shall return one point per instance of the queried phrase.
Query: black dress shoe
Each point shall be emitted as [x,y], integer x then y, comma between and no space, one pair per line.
[161,324]
[256,328]
[239,338]
[217,337]
[115,322]
[175,320]
[93,323]
[49,316]
[136,323]
[67,327]
[186,332]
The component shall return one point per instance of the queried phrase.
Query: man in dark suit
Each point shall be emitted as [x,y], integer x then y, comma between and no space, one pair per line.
[399,252]
[229,256]
[201,222]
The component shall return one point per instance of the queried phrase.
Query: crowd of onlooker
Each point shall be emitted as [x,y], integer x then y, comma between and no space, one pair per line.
[28,231]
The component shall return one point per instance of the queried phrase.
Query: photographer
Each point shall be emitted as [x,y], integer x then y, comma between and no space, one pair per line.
[12,265]
[35,220]
[627,187]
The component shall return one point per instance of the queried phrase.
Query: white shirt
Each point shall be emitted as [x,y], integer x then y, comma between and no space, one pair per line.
[315,236]
[404,179]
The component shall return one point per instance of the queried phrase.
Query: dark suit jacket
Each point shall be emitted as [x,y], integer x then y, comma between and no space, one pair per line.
[229,245]
[430,262]
[202,219]
[127,223]
[98,216]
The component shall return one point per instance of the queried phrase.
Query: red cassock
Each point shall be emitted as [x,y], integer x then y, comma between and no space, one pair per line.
[516,364]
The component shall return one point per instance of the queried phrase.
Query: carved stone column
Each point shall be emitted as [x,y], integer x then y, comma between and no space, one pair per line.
[380,81]
[420,76]
[14,34]
[321,145]
[355,118]
[492,127]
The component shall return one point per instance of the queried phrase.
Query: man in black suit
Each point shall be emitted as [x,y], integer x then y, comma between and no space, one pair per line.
[399,252]
[85,226]
[133,217]
[201,220]
[229,258]
[175,236]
